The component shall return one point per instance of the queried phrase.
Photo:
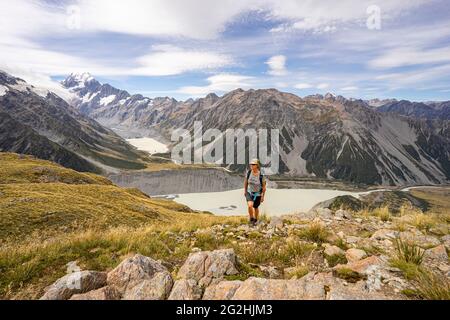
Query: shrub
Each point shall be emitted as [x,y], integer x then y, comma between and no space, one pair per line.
[348,275]
[431,286]
[409,252]
[315,232]
[336,259]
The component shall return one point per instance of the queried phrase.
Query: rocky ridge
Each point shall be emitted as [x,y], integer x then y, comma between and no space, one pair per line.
[349,257]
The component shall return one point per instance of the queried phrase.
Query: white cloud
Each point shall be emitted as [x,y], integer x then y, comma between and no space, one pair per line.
[322,86]
[198,19]
[415,77]
[277,65]
[350,88]
[302,86]
[411,56]
[218,83]
[170,60]
[326,15]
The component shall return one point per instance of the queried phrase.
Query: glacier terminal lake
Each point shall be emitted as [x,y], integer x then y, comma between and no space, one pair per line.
[277,201]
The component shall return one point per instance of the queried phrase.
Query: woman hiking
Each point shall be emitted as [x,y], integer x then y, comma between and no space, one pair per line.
[254,190]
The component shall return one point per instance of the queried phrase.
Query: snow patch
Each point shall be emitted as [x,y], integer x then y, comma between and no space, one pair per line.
[3,90]
[149,145]
[107,100]
[342,148]
[89,96]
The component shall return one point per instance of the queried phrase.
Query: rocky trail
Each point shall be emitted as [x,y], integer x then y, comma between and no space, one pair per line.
[331,255]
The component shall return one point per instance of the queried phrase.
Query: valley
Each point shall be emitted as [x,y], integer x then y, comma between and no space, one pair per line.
[352,181]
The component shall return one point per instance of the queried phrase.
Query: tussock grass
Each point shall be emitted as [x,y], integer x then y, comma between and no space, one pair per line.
[382,213]
[432,286]
[336,259]
[409,252]
[298,272]
[347,275]
[315,232]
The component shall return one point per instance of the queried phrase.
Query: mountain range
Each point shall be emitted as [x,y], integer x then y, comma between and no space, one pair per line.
[376,142]
[37,122]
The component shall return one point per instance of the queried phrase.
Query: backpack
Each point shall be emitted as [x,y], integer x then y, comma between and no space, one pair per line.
[261,177]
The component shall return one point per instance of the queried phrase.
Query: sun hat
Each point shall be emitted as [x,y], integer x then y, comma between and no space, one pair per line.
[255,161]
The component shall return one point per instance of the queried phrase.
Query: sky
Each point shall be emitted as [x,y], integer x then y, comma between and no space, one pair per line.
[188,48]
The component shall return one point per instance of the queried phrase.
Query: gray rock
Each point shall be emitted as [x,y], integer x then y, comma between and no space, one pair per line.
[333,251]
[105,293]
[355,255]
[186,289]
[75,283]
[270,289]
[133,271]
[436,254]
[343,214]
[157,288]
[206,266]
[276,222]
[224,290]
[385,234]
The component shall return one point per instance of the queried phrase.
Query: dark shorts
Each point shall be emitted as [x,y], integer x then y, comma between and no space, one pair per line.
[256,201]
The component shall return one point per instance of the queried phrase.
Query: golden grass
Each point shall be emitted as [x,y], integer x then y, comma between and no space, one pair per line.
[438,198]
[25,270]
[49,209]
[27,169]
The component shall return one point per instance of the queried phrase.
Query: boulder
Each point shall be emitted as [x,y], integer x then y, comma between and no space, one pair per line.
[365,266]
[352,239]
[446,241]
[271,272]
[75,283]
[344,214]
[437,254]
[133,271]
[224,290]
[324,213]
[105,293]
[206,266]
[276,222]
[355,255]
[384,234]
[333,251]
[186,289]
[157,288]
[270,289]
[419,238]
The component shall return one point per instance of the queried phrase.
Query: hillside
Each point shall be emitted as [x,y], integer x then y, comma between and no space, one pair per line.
[52,217]
[40,199]
[49,128]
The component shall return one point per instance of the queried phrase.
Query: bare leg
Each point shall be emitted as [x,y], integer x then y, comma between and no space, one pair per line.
[256,214]
[250,209]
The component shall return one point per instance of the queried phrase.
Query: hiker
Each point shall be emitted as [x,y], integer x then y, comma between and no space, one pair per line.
[254,190]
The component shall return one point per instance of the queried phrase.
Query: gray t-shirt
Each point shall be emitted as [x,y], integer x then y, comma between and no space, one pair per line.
[254,184]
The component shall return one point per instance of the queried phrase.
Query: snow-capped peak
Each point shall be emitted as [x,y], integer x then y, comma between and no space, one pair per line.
[82,77]
[78,80]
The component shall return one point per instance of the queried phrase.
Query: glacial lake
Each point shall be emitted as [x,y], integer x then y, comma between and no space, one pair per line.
[187,187]
[278,201]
